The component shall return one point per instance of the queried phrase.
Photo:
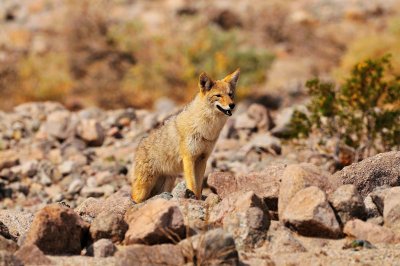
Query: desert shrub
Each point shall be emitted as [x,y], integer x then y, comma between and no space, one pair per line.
[170,66]
[44,77]
[363,114]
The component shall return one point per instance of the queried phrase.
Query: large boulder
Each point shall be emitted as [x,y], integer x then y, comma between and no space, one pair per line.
[310,214]
[57,230]
[157,221]
[372,172]
[265,184]
[299,176]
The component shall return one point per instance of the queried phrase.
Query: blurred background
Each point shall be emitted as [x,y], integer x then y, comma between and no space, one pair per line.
[135,53]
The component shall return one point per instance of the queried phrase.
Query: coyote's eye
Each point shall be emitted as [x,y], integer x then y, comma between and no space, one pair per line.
[218,95]
[230,94]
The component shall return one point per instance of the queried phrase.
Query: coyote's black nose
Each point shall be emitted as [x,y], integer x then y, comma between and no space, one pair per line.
[232,105]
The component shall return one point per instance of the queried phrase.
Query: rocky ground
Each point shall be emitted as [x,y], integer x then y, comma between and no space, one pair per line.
[64,190]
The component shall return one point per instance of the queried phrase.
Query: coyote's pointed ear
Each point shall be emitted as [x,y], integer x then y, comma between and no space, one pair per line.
[205,82]
[233,78]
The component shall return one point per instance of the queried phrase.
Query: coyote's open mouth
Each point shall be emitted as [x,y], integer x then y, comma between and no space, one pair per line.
[227,112]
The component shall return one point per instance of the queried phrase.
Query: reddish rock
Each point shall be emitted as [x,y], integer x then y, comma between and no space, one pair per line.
[8,259]
[371,232]
[236,202]
[32,255]
[155,222]
[142,255]
[299,176]
[8,158]
[391,211]
[108,224]
[7,244]
[57,230]
[265,184]
[372,172]
[310,214]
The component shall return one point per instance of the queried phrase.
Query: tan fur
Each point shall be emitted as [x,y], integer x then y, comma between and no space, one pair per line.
[184,142]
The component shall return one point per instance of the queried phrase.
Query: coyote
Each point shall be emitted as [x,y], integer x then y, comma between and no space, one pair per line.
[185,141]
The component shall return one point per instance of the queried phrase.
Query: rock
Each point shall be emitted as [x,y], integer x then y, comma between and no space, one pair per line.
[378,197]
[32,255]
[249,228]
[91,132]
[265,184]
[371,209]
[94,192]
[154,223]
[7,244]
[262,143]
[235,203]
[372,172]
[16,222]
[298,176]
[110,225]
[371,232]
[101,248]
[8,159]
[60,125]
[227,19]
[57,230]
[261,116]
[215,247]
[8,259]
[142,255]
[243,121]
[67,167]
[194,212]
[281,240]
[75,186]
[212,200]
[90,209]
[347,203]
[180,190]
[309,214]
[391,211]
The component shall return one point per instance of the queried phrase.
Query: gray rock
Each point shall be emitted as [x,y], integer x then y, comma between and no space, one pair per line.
[60,125]
[347,203]
[372,172]
[101,248]
[215,247]
[91,132]
[16,222]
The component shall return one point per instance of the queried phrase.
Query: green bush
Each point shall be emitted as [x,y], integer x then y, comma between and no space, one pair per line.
[362,114]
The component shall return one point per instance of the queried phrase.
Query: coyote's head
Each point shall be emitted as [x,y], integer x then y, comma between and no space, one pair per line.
[219,94]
